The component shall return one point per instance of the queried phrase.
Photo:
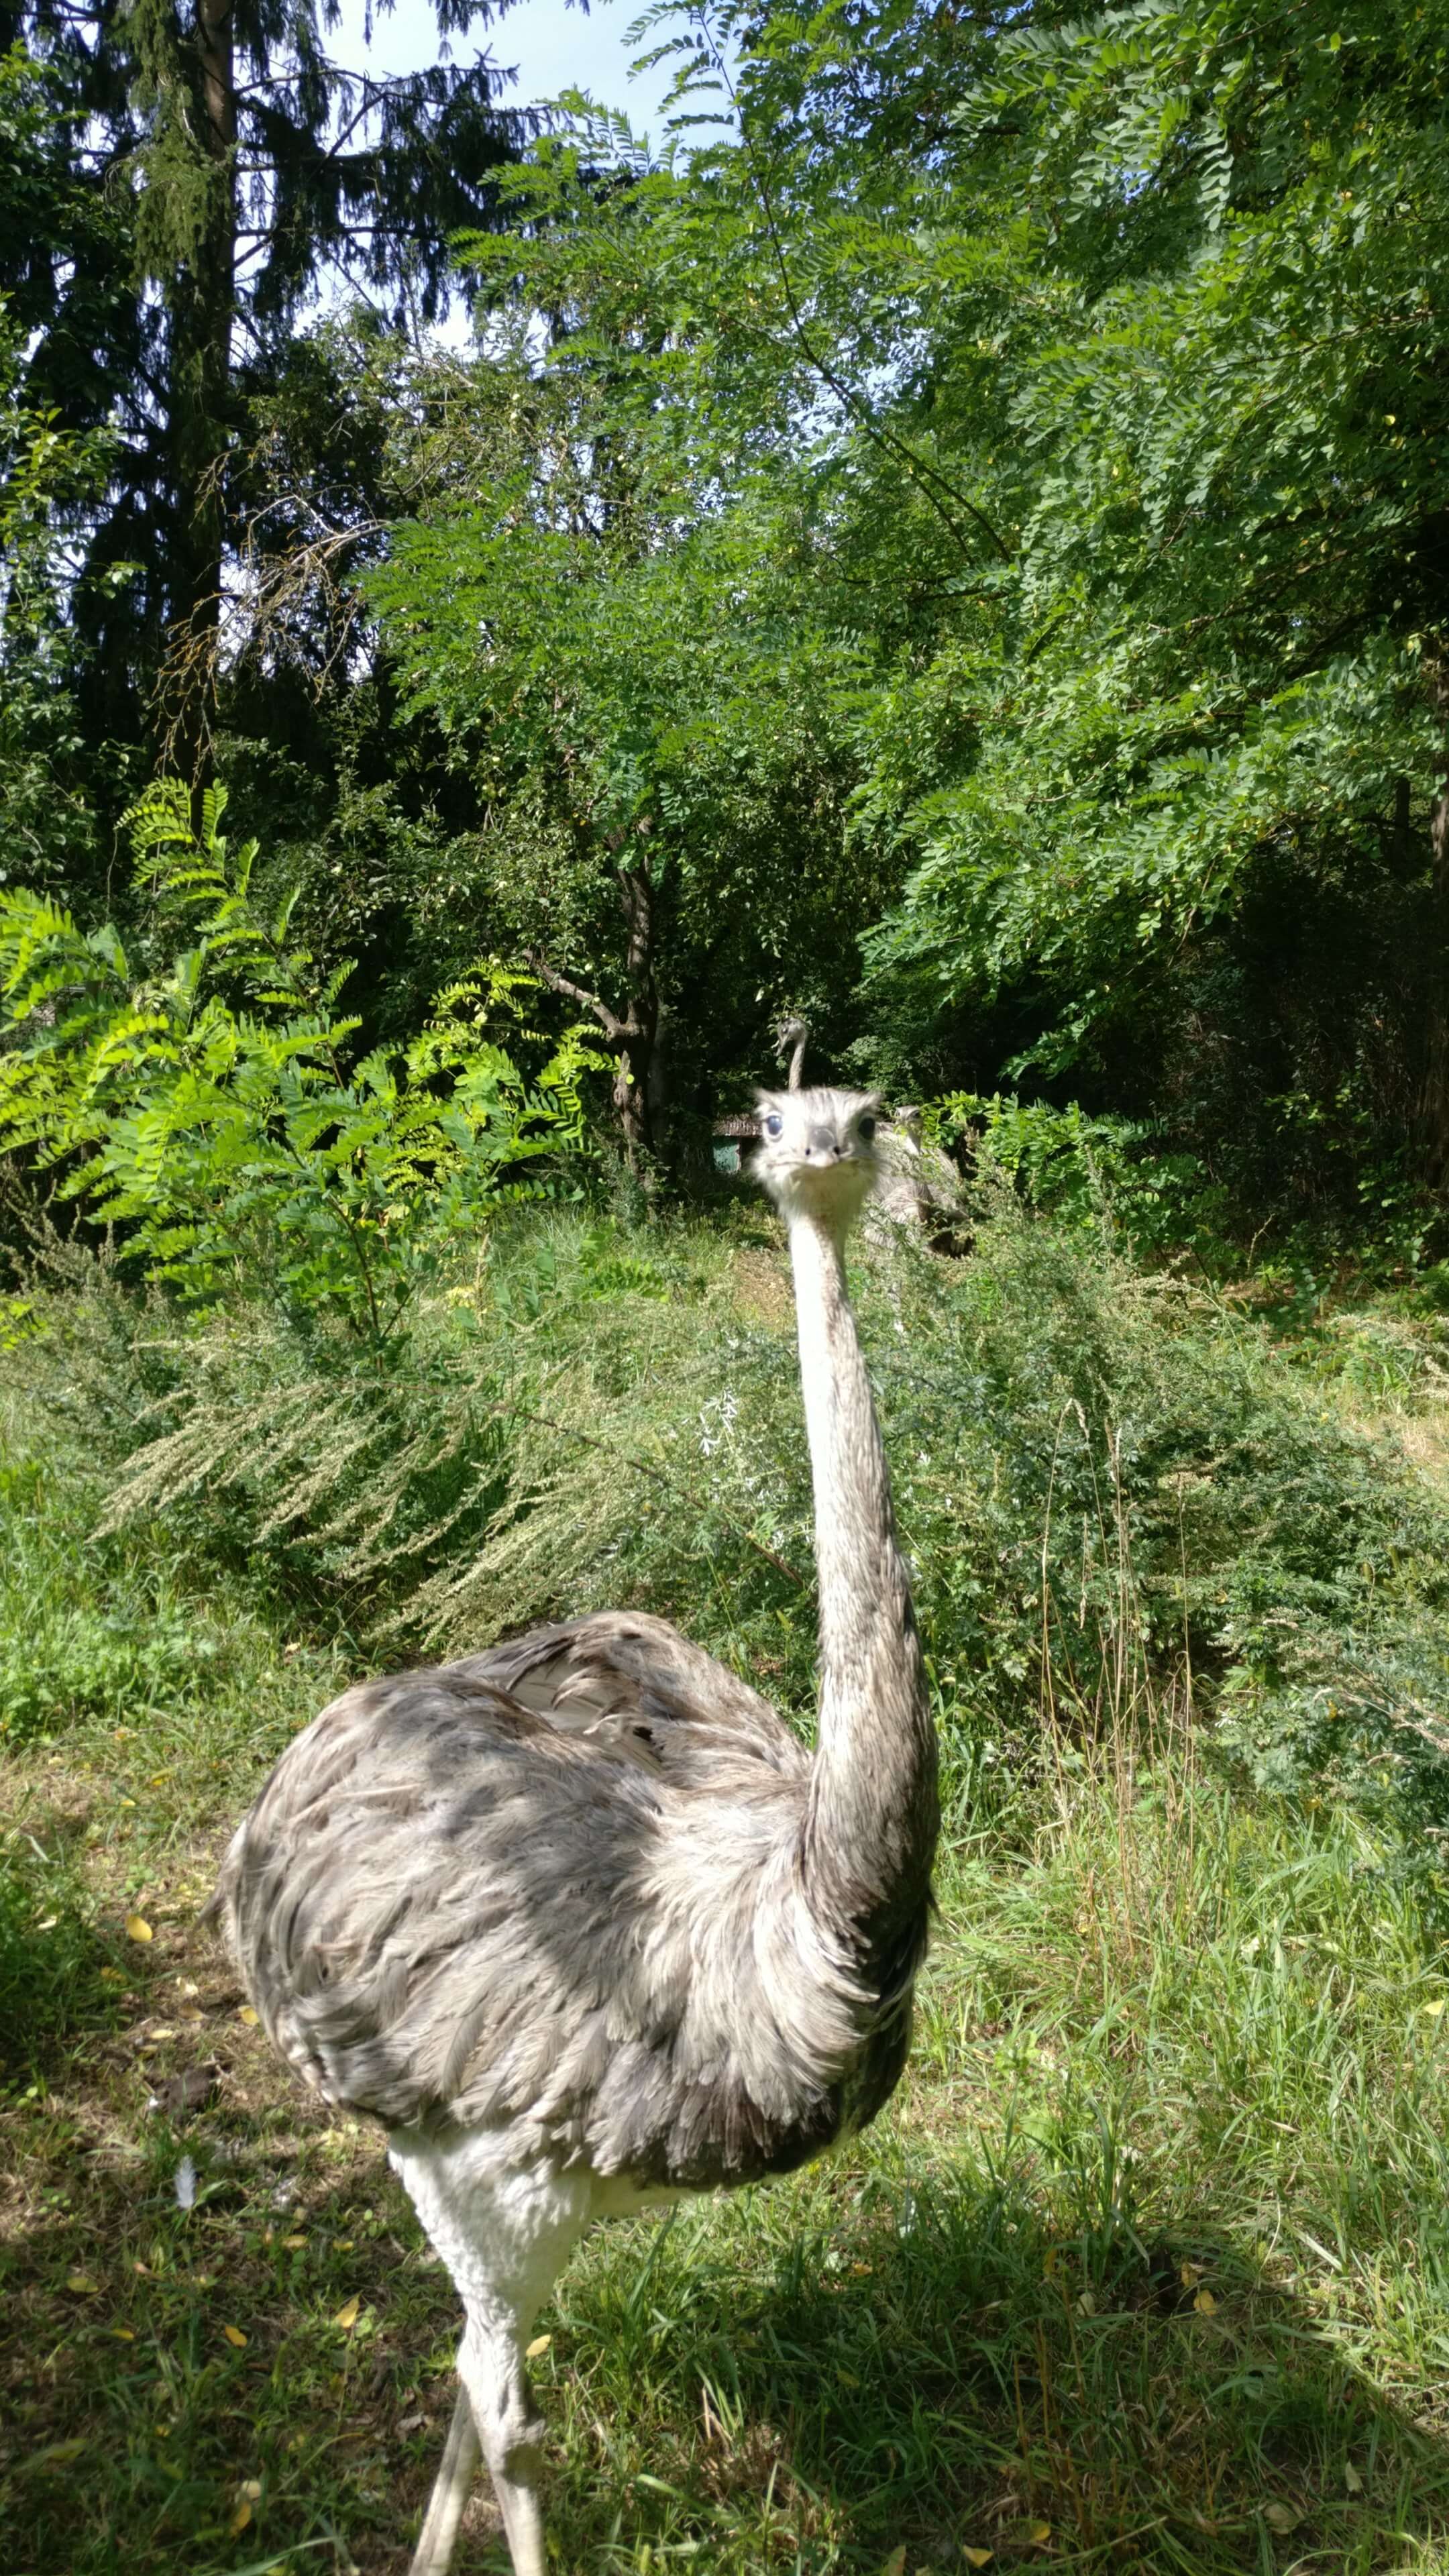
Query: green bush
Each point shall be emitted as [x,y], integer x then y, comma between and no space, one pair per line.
[1090,1171]
[1091,1461]
[211,1110]
[1097,1474]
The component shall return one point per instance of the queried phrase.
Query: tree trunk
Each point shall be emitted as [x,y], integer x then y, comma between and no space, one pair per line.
[202,301]
[1434,1097]
[632,1033]
[633,1088]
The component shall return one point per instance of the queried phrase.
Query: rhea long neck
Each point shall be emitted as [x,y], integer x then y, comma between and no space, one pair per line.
[870,1829]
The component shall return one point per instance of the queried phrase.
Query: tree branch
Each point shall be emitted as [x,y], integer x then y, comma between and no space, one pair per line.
[932,483]
[615,1029]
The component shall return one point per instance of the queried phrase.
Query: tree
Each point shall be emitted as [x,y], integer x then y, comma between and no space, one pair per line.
[964,554]
[1195,825]
[218,162]
[652,726]
[1104,353]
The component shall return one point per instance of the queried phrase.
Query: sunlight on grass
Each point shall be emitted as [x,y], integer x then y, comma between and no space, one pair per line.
[1147,2265]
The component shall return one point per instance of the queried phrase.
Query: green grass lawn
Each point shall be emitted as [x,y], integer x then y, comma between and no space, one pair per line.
[1147,2265]
[1149,2262]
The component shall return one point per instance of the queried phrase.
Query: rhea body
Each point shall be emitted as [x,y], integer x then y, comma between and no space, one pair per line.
[580,1919]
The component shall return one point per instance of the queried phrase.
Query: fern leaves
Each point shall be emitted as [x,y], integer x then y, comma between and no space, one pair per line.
[211,1113]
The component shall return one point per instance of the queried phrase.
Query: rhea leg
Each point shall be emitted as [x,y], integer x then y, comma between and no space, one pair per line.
[493,2414]
[505,2231]
[439,2534]
[491,2368]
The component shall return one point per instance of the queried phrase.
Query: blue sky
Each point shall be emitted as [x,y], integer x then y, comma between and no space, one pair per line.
[553,47]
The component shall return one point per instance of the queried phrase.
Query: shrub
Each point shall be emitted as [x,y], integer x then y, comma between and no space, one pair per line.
[1087,1171]
[1090,1466]
[212,1112]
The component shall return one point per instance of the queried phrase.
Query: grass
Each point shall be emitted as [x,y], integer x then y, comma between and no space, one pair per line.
[1147,2265]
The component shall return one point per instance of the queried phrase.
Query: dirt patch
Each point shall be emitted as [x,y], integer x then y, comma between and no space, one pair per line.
[761,1282]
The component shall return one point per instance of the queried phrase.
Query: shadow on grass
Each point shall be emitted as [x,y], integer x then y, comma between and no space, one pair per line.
[945,2374]
[813,2378]
[261,2378]
[60,1974]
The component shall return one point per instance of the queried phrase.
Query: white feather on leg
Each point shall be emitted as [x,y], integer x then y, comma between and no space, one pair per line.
[504,2233]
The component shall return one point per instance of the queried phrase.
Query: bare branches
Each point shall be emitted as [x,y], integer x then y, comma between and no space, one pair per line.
[291,598]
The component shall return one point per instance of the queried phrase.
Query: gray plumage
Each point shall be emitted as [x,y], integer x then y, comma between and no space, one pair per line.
[792,1037]
[919,1185]
[581,1920]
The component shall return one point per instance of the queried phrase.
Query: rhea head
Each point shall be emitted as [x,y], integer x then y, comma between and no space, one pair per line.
[817,1153]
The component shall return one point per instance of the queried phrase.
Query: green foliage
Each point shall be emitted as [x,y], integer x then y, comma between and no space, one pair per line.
[1035,421]
[89,1633]
[981,504]
[233,1142]
[632,685]
[51,1984]
[1088,1464]
[1206,700]
[49,477]
[1102,1173]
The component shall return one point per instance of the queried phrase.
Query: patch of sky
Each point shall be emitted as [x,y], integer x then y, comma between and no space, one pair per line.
[541,49]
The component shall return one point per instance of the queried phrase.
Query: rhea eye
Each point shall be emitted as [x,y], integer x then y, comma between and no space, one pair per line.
[865,1129]
[774,1126]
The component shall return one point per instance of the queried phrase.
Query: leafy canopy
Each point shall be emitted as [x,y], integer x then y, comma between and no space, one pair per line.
[1046,408]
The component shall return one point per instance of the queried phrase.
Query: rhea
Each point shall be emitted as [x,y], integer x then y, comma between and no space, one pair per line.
[581,1921]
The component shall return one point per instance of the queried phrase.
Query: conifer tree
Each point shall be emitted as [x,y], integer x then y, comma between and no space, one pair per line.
[210,161]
